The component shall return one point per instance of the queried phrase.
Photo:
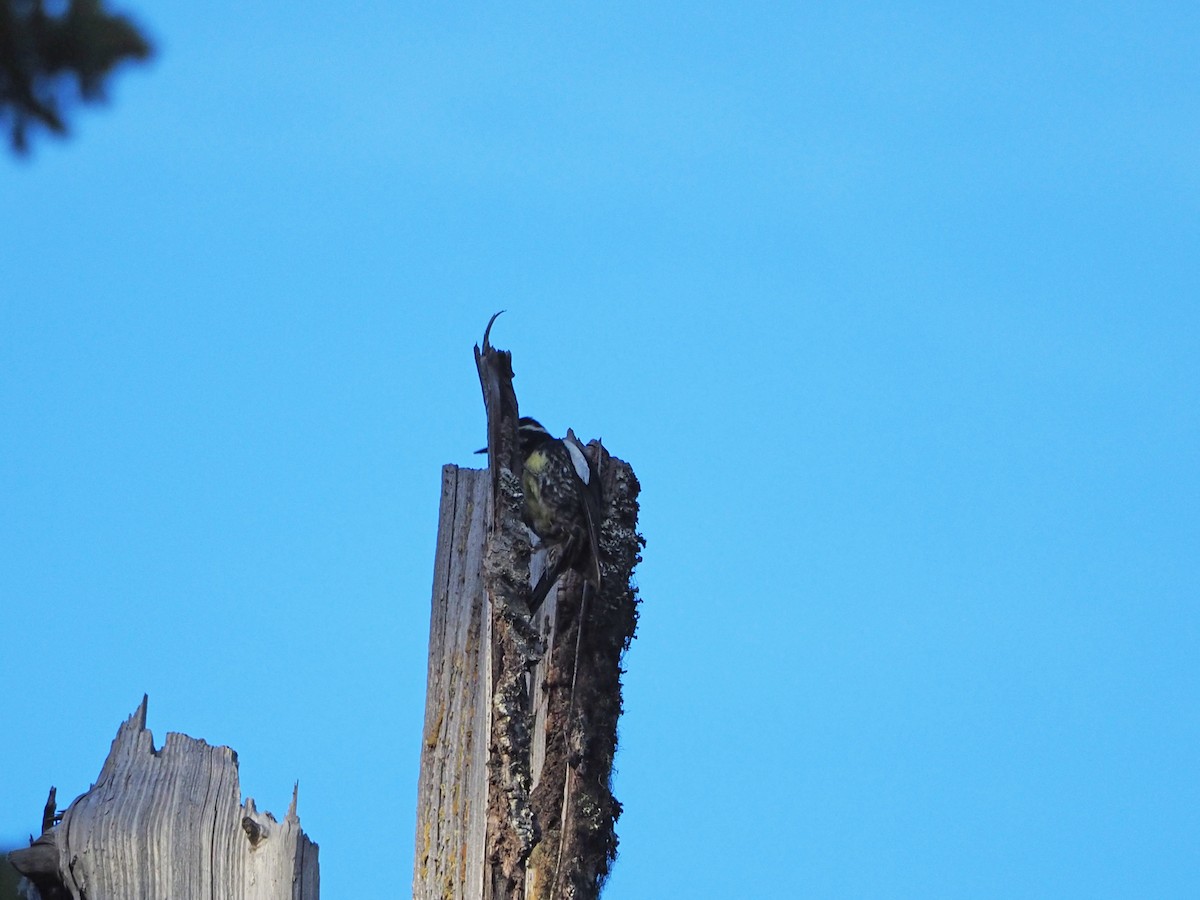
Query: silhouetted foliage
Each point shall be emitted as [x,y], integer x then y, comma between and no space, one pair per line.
[50,58]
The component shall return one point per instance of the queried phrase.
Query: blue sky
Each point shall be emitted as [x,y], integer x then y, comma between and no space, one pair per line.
[891,306]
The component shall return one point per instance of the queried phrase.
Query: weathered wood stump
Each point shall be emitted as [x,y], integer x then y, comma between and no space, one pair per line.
[514,797]
[169,823]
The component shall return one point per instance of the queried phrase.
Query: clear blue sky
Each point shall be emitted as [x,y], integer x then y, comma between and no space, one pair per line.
[893,308]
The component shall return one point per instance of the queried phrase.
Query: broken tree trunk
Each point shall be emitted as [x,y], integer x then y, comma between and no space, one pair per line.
[514,796]
[168,823]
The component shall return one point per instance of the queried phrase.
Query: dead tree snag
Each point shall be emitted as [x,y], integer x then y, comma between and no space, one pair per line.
[515,798]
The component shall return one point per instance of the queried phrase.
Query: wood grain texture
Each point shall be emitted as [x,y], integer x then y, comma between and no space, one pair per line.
[170,823]
[452,786]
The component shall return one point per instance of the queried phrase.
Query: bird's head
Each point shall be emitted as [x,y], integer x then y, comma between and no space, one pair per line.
[530,434]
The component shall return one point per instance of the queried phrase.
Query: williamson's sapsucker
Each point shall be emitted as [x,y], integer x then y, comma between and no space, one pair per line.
[562,504]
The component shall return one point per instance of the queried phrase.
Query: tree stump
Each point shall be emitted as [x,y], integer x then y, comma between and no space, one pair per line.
[514,794]
[169,823]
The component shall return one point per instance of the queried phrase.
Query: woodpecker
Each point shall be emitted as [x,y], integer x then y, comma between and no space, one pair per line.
[562,503]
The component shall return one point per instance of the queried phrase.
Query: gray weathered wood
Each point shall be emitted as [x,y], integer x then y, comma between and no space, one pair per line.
[452,786]
[169,823]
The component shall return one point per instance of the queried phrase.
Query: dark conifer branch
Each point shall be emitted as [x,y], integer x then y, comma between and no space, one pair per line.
[49,61]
